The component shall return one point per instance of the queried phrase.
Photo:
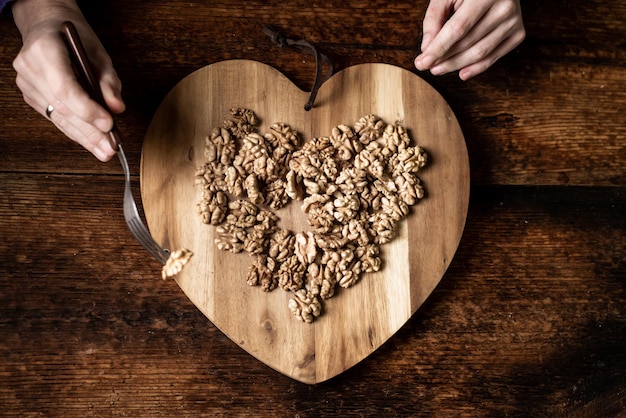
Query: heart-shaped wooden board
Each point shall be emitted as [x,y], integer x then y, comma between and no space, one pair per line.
[357,320]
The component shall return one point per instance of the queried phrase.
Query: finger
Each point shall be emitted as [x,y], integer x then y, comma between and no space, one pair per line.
[85,134]
[47,66]
[503,17]
[481,66]
[436,15]
[501,40]
[111,87]
[484,27]
[478,51]
[66,90]
[110,84]
[456,28]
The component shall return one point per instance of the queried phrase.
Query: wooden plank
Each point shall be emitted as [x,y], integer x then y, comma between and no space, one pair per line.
[561,93]
[529,318]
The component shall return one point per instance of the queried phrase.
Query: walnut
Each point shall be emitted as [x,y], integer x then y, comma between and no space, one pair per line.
[305,247]
[219,147]
[330,167]
[261,273]
[244,122]
[276,196]
[386,187]
[211,177]
[394,139]
[394,207]
[312,186]
[346,256]
[266,222]
[342,267]
[352,179]
[314,200]
[305,306]
[212,207]
[293,188]
[306,164]
[369,256]
[369,128]
[372,161]
[409,188]
[291,274]
[370,198]
[234,182]
[251,184]
[321,219]
[331,259]
[175,263]
[253,147]
[356,230]
[314,278]
[281,245]
[348,200]
[408,160]
[265,167]
[230,238]
[284,137]
[330,241]
[318,145]
[345,142]
[350,277]
[382,228]
[255,242]
[242,214]
[343,214]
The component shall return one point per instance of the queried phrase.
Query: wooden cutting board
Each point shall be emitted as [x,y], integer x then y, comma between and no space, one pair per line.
[357,320]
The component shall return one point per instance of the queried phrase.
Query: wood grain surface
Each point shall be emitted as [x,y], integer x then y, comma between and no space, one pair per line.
[356,321]
[528,321]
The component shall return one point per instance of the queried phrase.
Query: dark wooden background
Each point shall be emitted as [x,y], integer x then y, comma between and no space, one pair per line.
[530,319]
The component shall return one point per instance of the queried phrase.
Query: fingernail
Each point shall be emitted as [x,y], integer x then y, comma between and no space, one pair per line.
[422,63]
[118,96]
[99,154]
[104,150]
[426,62]
[437,70]
[102,124]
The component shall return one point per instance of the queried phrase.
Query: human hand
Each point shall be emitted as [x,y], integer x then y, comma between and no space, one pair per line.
[468,35]
[46,77]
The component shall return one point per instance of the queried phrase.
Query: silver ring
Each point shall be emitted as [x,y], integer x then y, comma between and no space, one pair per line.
[49,111]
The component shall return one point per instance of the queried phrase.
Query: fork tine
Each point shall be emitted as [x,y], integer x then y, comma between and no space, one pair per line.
[145,239]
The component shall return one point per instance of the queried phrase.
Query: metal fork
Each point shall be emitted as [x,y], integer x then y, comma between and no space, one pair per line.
[131,214]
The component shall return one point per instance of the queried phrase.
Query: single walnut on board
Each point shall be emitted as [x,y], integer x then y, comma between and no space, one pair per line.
[175,263]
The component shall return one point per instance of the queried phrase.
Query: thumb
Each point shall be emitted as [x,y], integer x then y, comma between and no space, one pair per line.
[111,87]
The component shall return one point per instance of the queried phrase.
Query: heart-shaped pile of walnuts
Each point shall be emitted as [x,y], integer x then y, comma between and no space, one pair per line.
[355,186]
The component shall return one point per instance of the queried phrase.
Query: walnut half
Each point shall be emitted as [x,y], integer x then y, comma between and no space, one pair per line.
[175,263]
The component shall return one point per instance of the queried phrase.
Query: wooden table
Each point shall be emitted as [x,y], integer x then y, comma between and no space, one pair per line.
[529,320]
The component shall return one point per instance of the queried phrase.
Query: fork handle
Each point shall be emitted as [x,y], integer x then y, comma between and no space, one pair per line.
[93,87]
